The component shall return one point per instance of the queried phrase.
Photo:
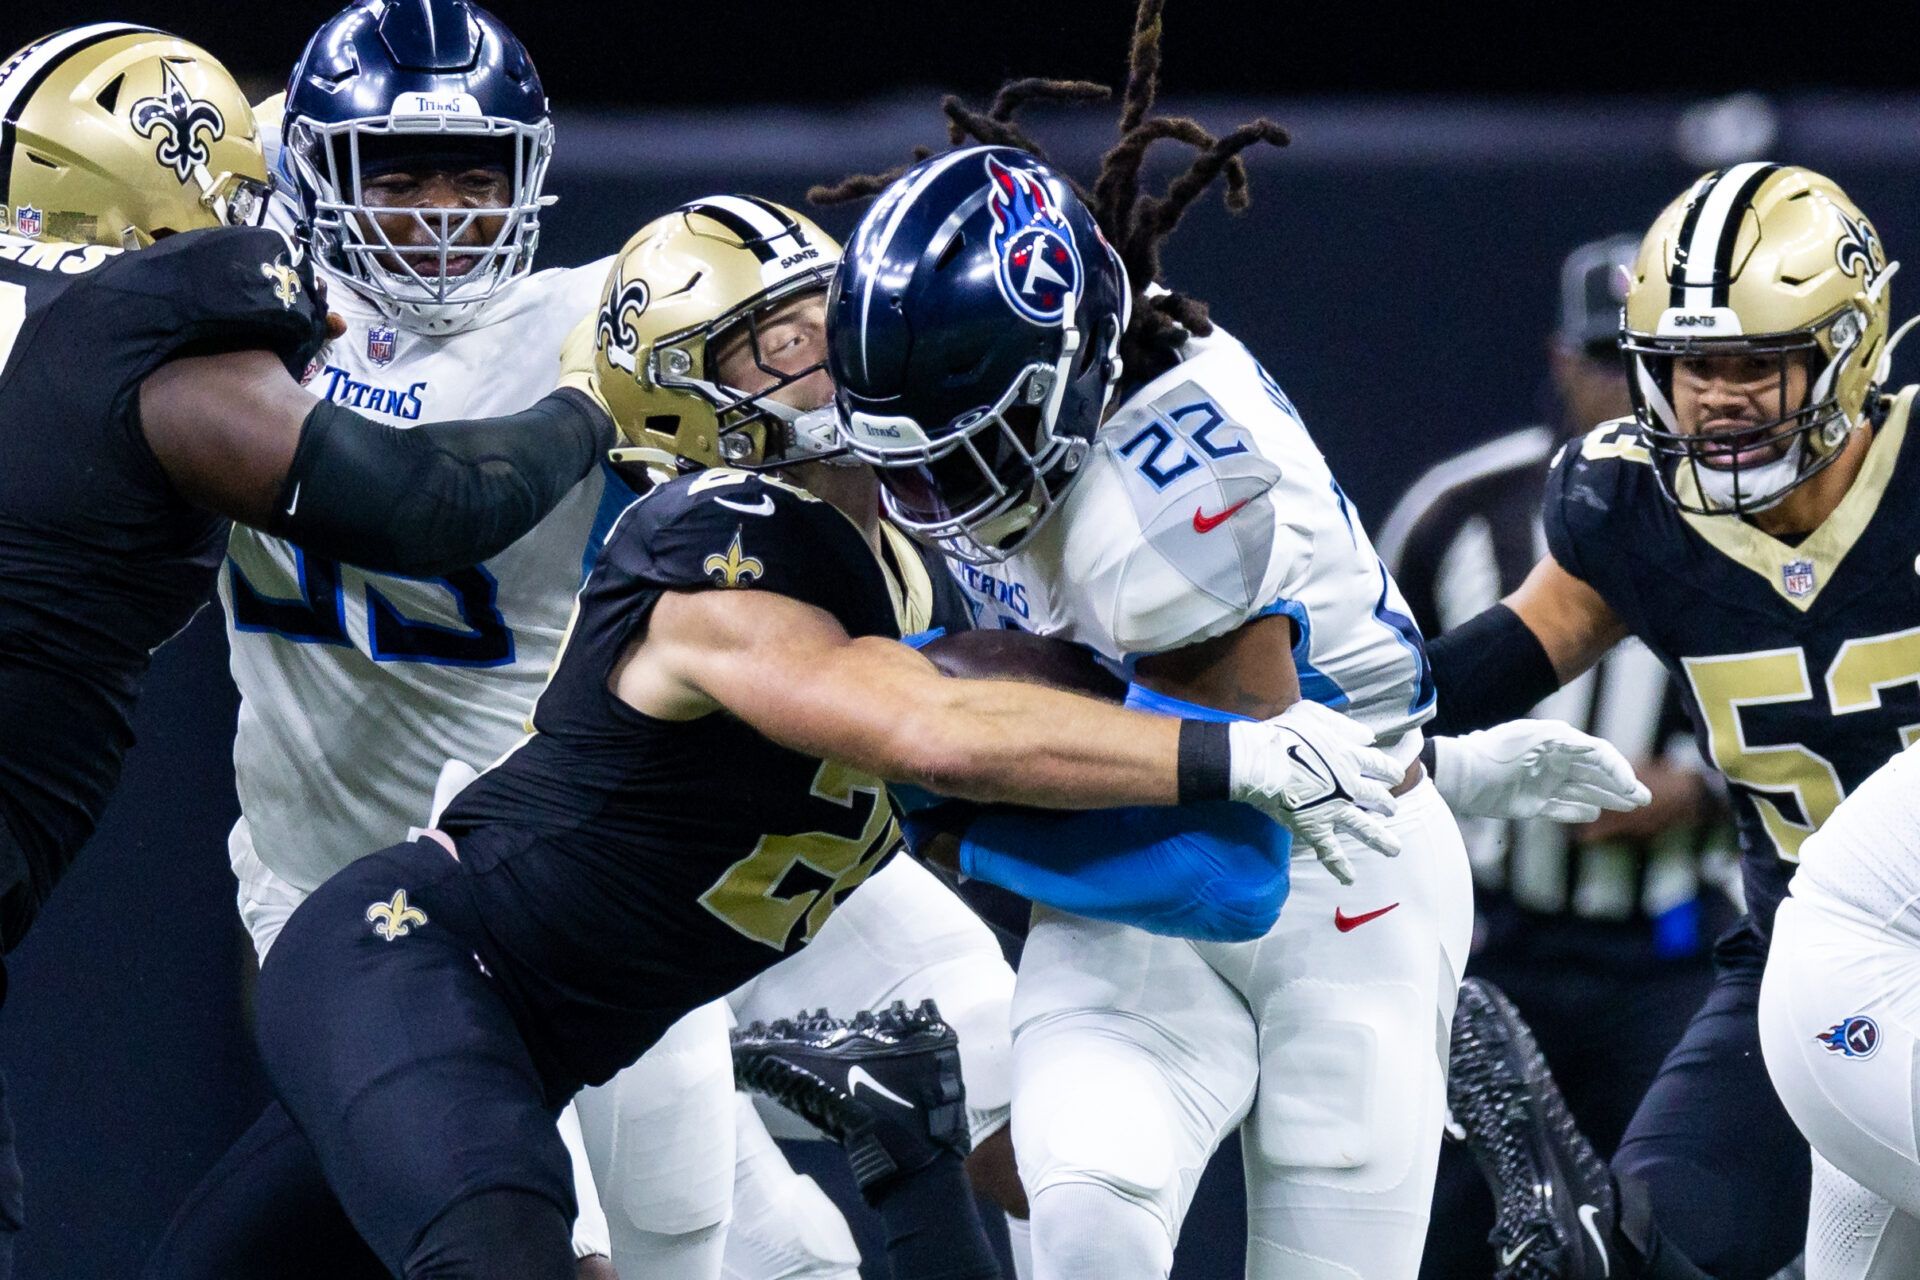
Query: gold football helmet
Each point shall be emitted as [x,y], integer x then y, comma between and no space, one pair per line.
[115,134]
[1775,264]
[684,287]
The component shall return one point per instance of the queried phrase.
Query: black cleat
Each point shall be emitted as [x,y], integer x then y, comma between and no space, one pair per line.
[1555,1209]
[885,1086]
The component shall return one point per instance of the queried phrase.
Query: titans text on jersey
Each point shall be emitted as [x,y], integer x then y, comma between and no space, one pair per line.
[101,561]
[356,687]
[1800,662]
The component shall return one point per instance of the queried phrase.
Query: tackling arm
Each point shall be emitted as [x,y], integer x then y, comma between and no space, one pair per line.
[789,670]
[237,435]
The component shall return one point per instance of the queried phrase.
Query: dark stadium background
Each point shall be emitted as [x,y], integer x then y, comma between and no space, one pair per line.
[1395,272]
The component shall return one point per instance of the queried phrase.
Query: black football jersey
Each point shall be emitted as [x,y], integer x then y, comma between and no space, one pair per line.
[100,561]
[628,869]
[1799,662]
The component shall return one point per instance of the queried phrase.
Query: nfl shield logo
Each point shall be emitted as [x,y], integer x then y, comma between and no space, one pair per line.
[1797,577]
[27,220]
[380,343]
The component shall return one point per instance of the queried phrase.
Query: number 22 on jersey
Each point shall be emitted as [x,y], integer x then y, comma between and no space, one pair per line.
[1855,680]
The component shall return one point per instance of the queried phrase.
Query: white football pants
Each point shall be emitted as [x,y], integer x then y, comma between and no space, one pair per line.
[1839,1017]
[1325,1043]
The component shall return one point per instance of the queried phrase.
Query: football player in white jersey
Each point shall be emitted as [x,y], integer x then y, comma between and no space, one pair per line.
[1840,1026]
[1182,524]
[415,140]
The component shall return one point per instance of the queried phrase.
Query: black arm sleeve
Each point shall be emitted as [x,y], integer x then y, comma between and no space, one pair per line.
[437,497]
[1488,670]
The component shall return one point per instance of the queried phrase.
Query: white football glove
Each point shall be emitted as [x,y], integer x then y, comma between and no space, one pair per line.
[1534,769]
[1318,774]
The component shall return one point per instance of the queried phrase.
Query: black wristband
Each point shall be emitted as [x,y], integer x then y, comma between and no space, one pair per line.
[1204,770]
[1488,670]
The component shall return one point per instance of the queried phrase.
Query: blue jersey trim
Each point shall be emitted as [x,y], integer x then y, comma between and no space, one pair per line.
[1315,684]
[615,498]
[1140,698]
[1407,632]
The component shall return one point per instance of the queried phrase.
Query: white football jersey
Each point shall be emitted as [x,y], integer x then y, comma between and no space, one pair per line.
[1867,855]
[1203,505]
[357,686]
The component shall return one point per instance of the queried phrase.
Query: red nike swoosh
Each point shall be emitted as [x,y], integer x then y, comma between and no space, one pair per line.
[1347,924]
[1203,523]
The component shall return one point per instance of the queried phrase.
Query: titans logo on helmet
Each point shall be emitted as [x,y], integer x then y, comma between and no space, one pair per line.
[179,118]
[1036,261]
[1856,1037]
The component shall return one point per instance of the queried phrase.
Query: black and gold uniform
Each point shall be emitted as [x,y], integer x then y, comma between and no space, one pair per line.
[1799,662]
[101,561]
[614,872]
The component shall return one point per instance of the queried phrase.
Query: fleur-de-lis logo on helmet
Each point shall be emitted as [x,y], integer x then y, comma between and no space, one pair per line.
[732,569]
[395,918]
[1858,252]
[186,125]
[615,334]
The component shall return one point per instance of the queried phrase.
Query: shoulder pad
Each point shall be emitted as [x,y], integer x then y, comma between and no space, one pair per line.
[1199,485]
[1597,482]
[737,530]
[232,288]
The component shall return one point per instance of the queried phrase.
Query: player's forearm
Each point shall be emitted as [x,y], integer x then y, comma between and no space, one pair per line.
[884,709]
[437,497]
[999,741]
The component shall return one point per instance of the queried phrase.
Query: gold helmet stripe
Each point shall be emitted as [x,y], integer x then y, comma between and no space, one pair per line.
[757,223]
[28,69]
[1704,259]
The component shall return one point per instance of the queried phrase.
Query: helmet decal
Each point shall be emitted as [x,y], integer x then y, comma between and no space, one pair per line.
[1036,262]
[1858,251]
[614,332]
[179,119]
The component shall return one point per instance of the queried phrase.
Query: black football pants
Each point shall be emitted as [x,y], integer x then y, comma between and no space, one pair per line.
[395,1055]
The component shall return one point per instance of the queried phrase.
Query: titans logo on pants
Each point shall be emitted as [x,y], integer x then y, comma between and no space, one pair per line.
[1857,1037]
[1037,264]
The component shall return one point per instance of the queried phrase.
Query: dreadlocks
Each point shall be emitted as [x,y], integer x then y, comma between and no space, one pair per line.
[1136,222]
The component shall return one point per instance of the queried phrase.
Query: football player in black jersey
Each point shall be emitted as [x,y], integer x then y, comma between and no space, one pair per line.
[1753,524]
[705,781]
[150,345]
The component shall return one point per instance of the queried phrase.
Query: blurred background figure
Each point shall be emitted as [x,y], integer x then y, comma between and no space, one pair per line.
[1598,933]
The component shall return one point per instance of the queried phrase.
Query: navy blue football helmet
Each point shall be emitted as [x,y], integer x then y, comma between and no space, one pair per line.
[973,333]
[388,84]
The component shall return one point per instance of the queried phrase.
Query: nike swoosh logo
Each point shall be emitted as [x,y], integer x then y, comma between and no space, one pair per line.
[1204,523]
[1510,1256]
[296,498]
[763,508]
[1347,924]
[859,1076]
[1588,1213]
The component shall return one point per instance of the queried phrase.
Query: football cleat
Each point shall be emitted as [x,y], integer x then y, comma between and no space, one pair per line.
[1555,1207]
[885,1086]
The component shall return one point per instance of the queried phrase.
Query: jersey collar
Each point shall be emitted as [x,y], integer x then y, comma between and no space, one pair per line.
[1823,549]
